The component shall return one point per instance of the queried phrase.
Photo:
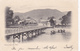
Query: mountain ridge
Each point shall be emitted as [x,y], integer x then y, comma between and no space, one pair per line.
[40,13]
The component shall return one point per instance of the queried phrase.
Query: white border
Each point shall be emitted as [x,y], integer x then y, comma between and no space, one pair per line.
[79,25]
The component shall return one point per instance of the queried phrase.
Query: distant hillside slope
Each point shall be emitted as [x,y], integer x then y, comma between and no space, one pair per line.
[41,13]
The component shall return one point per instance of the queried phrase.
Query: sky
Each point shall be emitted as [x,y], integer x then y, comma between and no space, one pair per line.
[28,5]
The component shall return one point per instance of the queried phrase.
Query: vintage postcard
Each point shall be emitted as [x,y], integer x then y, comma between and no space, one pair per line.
[39,25]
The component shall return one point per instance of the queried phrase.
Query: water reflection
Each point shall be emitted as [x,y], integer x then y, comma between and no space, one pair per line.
[46,36]
[57,37]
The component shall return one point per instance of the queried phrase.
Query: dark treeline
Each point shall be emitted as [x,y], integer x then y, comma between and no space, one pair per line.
[66,19]
[9,16]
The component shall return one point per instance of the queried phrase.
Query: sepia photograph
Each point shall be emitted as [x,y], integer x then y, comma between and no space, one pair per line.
[39,25]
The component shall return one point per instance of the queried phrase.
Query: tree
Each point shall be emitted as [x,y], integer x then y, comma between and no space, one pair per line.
[9,16]
[28,17]
[16,19]
[52,21]
[66,19]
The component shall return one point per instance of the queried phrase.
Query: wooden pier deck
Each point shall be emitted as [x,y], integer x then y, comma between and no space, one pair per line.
[19,33]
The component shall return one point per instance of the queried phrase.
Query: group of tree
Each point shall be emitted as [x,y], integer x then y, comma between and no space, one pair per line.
[66,19]
[9,17]
[16,19]
[52,21]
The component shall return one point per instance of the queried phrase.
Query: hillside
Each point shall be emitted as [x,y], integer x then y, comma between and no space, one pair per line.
[41,13]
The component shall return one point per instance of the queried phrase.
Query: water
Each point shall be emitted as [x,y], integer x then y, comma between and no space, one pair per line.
[47,37]
[57,37]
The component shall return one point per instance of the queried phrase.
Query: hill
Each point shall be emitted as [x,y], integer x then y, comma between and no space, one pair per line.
[41,13]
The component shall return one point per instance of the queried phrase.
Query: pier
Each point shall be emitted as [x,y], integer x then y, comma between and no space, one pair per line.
[24,33]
